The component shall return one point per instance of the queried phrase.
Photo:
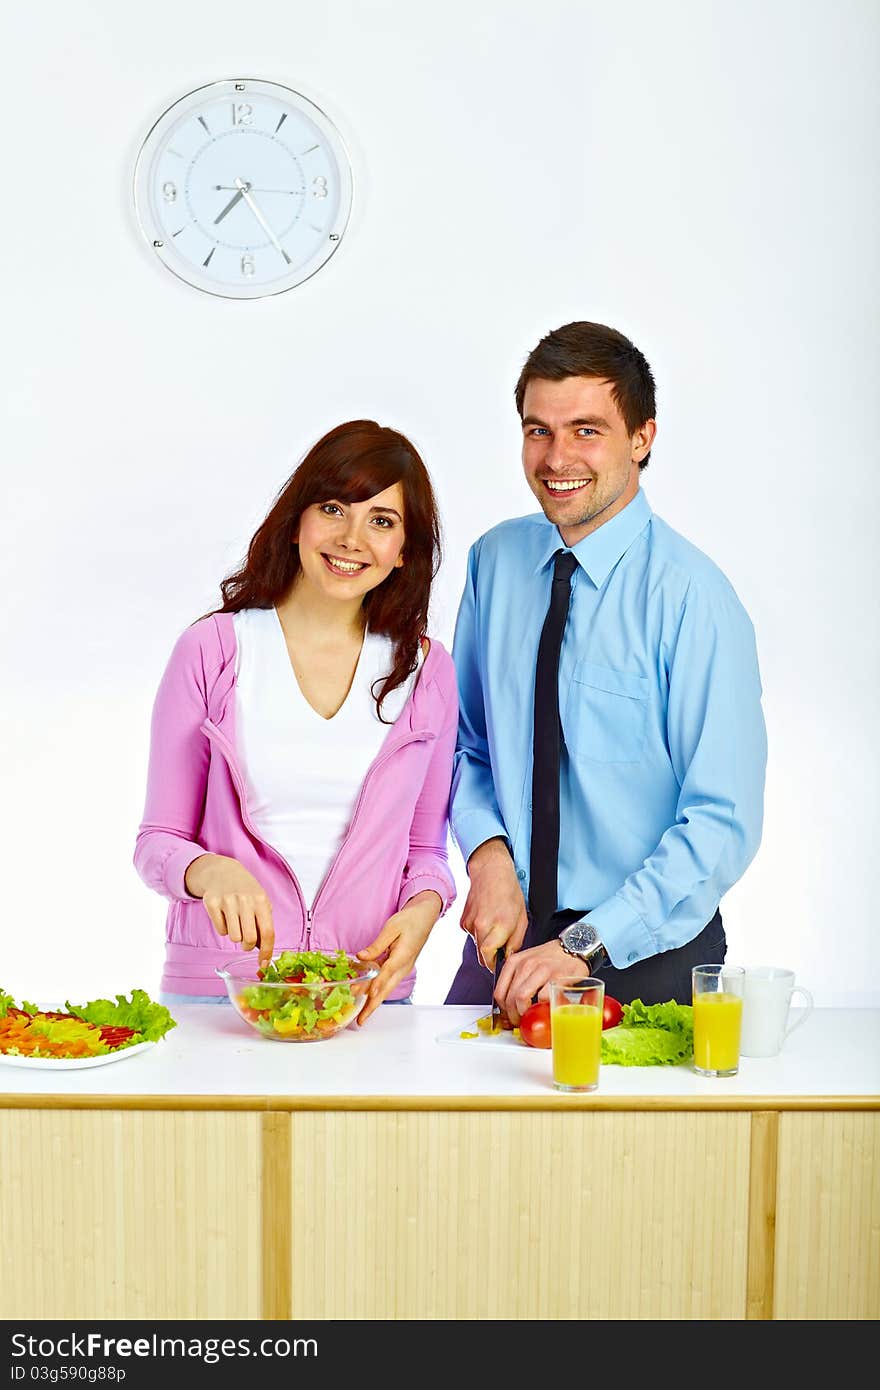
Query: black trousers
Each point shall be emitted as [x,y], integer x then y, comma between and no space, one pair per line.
[654,981]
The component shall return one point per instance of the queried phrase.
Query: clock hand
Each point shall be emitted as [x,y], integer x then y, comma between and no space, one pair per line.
[231,204]
[228,187]
[244,189]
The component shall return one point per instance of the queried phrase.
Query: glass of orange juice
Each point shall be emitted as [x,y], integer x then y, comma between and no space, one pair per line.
[576,1033]
[718,1004]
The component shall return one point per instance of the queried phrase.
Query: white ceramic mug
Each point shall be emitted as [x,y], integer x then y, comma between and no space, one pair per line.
[767,997]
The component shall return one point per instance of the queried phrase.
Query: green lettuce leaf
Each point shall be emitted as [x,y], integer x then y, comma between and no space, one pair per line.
[62,1030]
[315,965]
[150,1021]
[338,998]
[650,1035]
[259,997]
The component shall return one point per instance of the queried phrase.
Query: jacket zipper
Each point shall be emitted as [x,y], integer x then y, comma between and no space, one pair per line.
[424,737]
[228,752]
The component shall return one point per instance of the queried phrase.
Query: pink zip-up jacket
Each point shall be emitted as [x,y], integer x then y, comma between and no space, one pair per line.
[395,847]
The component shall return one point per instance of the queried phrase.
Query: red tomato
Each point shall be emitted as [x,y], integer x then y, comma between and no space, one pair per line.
[114,1034]
[534,1026]
[612,1012]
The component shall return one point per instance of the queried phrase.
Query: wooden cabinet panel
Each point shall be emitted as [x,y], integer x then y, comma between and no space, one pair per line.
[518,1215]
[440,1214]
[828,1216]
[129,1214]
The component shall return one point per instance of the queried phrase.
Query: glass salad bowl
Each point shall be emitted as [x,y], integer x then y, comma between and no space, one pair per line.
[300,996]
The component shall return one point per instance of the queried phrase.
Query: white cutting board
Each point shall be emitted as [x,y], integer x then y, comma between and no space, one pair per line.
[503,1039]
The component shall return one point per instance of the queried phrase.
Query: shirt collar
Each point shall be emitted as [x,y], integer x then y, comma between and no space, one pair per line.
[598,553]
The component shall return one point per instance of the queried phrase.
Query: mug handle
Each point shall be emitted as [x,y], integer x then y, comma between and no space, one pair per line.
[799,989]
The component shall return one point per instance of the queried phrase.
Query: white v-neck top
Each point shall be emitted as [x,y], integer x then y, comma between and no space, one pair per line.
[303,772]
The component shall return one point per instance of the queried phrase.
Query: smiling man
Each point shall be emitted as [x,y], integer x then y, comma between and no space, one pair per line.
[609,775]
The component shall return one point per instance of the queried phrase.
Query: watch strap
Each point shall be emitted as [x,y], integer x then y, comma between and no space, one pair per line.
[596,957]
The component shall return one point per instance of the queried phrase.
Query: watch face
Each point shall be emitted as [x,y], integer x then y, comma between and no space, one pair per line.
[243,188]
[579,937]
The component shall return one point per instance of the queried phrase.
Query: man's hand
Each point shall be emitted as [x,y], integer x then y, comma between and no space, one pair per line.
[495,912]
[397,946]
[234,900]
[529,973]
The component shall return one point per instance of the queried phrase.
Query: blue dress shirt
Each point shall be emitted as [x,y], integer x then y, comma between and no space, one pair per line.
[662,778]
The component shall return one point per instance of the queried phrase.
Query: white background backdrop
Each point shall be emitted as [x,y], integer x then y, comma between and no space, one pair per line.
[700,175]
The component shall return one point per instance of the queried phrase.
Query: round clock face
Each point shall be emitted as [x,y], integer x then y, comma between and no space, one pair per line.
[243,188]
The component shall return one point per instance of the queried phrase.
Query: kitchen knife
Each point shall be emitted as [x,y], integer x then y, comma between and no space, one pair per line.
[496,1007]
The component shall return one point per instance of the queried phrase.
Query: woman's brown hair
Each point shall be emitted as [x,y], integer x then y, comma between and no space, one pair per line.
[351,463]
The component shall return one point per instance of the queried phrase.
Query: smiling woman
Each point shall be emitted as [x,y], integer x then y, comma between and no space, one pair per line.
[303,733]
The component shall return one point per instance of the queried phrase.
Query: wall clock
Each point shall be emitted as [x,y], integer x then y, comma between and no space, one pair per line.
[243,188]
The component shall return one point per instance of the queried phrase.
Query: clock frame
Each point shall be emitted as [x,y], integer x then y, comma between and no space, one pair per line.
[243,188]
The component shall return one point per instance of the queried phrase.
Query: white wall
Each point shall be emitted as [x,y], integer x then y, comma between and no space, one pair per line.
[700,175]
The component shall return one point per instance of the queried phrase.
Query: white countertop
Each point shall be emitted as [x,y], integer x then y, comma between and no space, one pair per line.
[212,1053]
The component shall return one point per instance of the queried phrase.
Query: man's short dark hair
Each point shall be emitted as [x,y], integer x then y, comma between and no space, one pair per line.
[592,349]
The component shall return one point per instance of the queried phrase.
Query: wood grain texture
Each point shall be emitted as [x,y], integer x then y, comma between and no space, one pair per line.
[571,1213]
[552,1101]
[275,1195]
[762,1214]
[828,1217]
[129,1215]
[512,1216]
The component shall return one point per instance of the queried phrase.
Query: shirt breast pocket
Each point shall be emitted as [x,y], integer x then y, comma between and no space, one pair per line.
[606,714]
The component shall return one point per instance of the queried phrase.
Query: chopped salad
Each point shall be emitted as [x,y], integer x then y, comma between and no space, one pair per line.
[81,1030]
[310,1010]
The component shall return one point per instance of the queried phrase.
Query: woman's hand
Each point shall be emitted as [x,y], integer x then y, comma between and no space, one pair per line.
[399,942]
[235,902]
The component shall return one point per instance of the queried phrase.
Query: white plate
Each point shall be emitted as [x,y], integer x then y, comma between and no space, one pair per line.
[69,1063]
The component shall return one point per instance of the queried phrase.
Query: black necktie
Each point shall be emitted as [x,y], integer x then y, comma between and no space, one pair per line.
[543,887]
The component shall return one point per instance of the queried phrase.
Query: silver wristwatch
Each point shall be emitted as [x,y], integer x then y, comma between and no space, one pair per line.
[581,939]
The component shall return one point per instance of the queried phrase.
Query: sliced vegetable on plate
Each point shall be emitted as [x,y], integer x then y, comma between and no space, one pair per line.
[484,1025]
[79,1031]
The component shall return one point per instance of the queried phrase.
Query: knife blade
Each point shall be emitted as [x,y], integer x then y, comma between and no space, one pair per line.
[496,1007]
